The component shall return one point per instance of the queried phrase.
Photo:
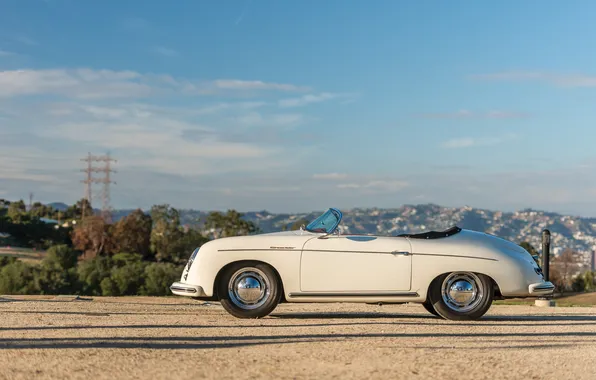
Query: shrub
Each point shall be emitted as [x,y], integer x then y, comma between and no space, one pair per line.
[108,287]
[18,278]
[579,284]
[129,278]
[159,277]
[92,274]
[5,260]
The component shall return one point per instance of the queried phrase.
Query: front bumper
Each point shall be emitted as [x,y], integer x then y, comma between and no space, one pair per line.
[188,290]
[541,288]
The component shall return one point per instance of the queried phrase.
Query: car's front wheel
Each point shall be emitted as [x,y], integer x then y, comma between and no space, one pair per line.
[249,290]
[461,295]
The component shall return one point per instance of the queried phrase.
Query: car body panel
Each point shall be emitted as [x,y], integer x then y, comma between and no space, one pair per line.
[323,267]
[356,264]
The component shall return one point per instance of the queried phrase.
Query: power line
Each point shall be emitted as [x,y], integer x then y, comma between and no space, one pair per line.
[106,180]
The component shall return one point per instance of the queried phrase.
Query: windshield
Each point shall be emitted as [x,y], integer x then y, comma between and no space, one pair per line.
[326,223]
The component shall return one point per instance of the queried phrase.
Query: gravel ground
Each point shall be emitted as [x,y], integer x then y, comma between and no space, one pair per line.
[175,338]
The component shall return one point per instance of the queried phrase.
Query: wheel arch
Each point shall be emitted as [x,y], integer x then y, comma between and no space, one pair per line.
[497,290]
[247,262]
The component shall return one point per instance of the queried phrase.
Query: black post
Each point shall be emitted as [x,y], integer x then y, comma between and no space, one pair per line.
[545,253]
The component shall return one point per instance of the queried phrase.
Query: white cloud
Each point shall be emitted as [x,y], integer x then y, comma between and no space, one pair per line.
[234,84]
[466,114]
[559,79]
[82,83]
[256,119]
[462,142]
[5,53]
[330,176]
[376,185]
[166,52]
[466,142]
[96,84]
[153,124]
[308,99]
[25,40]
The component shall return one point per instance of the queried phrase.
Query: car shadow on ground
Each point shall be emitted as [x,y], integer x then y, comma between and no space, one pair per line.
[546,340]
[486,318]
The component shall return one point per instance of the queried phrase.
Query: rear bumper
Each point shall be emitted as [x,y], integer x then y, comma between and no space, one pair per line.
[188,290]
[542,288]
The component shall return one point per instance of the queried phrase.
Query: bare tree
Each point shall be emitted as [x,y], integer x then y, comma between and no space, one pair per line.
[563,267]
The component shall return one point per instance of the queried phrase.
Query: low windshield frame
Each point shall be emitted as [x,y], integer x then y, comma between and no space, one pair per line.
[326,223]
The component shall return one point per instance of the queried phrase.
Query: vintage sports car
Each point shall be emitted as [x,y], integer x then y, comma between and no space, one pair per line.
[455,274]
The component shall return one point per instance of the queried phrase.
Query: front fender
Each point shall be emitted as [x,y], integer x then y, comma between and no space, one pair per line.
[207,266]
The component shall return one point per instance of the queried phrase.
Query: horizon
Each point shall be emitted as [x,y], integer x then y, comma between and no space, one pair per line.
[281,212]
[261,105]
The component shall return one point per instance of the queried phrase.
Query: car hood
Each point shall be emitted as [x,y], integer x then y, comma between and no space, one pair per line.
[283,240]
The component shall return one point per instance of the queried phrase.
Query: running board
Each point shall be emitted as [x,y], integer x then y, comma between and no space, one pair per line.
[345,294]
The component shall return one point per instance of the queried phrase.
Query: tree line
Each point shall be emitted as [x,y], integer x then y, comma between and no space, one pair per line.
[144,252]
[140,254]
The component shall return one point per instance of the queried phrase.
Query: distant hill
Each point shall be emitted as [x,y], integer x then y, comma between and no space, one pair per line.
[59,206]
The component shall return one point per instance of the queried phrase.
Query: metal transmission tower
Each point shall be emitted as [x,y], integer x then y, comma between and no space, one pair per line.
[106,180]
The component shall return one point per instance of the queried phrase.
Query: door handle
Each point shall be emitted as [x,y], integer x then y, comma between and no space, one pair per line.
[402,253]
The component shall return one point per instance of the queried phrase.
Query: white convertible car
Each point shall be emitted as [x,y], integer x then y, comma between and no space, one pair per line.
[455,274]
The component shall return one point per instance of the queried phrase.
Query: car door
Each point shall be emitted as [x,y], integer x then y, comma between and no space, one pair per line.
[356,264]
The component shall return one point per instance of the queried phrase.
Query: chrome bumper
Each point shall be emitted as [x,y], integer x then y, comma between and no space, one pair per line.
[188,290]
[542,288]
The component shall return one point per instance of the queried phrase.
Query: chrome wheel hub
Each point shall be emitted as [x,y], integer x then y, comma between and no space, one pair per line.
[249,288]
[462,292]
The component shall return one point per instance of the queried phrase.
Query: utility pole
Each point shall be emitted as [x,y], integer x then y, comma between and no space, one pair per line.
[88,181]
[30,201]
[106,180]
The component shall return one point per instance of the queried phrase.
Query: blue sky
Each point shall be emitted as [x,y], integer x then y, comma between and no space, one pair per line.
[303,105]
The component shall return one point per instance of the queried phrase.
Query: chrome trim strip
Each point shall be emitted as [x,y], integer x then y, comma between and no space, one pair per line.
[183,289]
[303,250]
[458,256]
[353,294]
[188,290]
[541,288]
[332,250]
[544,287]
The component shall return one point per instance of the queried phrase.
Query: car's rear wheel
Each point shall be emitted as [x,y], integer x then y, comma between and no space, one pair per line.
[249,290]
[461,295]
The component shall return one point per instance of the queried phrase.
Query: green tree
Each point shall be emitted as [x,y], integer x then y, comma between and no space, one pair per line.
[166,232]
[75,211]
[128,274]
[589,281]
[229,224]
[190,240]
[18,278]
[17,212]
[159,277]
[39,210]
[58,273]
[578,284]
[5,260]
[133,233]
[93,272]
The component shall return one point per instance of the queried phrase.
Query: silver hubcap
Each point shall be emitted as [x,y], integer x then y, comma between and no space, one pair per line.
[249,288]
[462,291]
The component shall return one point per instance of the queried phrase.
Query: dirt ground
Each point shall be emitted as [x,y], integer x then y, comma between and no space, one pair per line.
[176,338]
